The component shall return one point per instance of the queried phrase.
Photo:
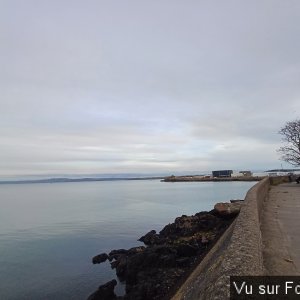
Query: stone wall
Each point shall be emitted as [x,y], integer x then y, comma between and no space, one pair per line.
[281,179]
[238,252]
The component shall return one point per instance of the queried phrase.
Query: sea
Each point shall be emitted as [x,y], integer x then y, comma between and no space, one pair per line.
[49,232]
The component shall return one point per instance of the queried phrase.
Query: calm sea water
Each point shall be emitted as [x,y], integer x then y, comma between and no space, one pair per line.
[50,232]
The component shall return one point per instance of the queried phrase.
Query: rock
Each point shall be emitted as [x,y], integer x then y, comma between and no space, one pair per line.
[185,250]
[187,226]
[121,266]
[168,260]
[208,222]
[228,209]
[150,238]
[183,226]
[134,265]
[135,250]
[115,254]
[150,272]
[114,264]
[98,259]
[118,252]
[204,240]
[184,261]
[105,292]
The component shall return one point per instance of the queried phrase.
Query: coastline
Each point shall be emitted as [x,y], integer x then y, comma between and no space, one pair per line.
[194,178]
[156,271]
[180,178]
[64,180]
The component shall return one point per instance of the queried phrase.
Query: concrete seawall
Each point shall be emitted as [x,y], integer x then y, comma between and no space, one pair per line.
[238,252]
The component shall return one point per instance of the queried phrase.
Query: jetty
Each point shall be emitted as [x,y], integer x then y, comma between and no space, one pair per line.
[200,178]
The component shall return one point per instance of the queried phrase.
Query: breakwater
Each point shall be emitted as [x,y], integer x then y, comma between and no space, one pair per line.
[237,253]
[196,178]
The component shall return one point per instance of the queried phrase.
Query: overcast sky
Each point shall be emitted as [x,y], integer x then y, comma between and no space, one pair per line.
[146,86]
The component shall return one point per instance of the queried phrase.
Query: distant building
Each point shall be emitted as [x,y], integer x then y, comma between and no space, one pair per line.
[222,173]
[246,173]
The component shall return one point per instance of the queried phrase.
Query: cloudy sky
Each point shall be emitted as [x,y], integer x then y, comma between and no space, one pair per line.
[146,86]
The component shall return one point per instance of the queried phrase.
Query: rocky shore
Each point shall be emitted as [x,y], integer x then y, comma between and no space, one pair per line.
[155,270]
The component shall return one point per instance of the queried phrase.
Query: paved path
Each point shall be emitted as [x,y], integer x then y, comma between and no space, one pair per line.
[281,230]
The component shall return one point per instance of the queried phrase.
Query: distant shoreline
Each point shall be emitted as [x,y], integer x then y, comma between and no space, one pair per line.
[192,178]
[62,180]
[204,179]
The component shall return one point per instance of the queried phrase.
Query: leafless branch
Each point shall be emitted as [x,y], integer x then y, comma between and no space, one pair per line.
[290,152]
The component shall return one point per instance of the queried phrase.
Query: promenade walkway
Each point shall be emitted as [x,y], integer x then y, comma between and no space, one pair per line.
[280,225]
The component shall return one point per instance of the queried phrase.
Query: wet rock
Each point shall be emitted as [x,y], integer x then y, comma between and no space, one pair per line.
[105,292]
[228,209]
[98,259]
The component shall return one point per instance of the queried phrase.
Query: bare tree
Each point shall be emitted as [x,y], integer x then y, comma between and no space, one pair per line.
[290,152]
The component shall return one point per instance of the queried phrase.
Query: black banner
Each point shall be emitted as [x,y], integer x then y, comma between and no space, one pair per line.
[265,287]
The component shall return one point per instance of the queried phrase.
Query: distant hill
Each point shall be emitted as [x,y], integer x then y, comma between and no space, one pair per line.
[283,170]
[58,180]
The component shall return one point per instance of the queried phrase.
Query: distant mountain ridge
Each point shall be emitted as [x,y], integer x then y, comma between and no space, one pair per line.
[84,179]
[283,170]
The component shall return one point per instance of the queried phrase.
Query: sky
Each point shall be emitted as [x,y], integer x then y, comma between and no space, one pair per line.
[146,86]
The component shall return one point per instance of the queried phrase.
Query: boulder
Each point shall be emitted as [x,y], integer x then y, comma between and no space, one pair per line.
[121,266]
[100,258]
[115,254]
[150,238]
[228,209]
[118,252]
[105,292]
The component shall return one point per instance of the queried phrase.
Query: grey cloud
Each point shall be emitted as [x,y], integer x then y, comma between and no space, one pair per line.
[140,85]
